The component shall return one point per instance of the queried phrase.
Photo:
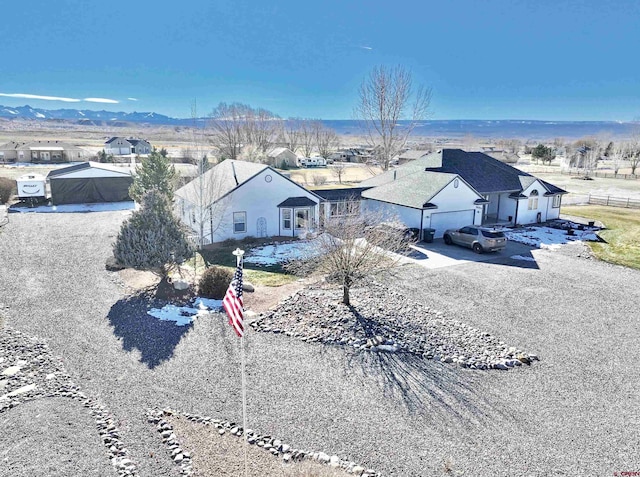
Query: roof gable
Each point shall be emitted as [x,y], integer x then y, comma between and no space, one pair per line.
[220,180]
[412,191]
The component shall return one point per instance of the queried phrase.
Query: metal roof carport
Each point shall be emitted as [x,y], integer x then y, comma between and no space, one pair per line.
[89,182]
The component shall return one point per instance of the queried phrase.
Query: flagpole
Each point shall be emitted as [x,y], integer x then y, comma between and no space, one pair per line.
[239,253]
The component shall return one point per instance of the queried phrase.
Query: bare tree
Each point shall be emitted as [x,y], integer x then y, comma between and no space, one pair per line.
[386,97]
[338,169]
[619,155]
[590,158]
[634,150]
[326,139]
[205,213]
[634,159]
[355,246]
[291,133]
[262,128]
[307,137]
[228,125]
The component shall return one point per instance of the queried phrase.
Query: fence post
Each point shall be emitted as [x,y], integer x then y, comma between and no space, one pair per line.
[627,202]
[607,200]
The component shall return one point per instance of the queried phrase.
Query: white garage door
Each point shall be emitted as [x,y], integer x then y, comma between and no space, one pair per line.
[442,221]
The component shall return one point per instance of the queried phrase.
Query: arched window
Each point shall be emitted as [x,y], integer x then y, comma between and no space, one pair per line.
[533,200]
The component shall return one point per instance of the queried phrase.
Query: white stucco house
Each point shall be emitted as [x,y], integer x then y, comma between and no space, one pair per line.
[238,199]
[452,188]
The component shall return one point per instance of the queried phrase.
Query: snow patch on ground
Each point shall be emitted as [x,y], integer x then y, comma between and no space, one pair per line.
[520,257]
[184,315]
[547,237]
[279,252]
[69,208]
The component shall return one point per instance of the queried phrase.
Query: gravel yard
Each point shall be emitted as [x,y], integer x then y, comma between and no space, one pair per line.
[575,412]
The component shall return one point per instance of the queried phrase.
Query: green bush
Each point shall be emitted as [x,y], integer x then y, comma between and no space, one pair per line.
[7,189]
[214,283]
[152,238]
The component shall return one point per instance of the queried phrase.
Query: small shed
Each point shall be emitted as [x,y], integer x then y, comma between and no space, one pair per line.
[281,156]
[89,182]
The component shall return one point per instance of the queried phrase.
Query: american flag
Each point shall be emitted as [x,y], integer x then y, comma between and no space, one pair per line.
[232,302]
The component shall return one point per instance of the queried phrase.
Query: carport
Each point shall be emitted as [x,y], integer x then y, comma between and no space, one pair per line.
[89,182]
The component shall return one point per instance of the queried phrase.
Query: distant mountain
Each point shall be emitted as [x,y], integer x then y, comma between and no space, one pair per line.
[86,115]
[442,128]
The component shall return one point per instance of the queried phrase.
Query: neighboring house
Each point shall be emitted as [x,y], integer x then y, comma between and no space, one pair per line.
[41,152]
[238,199]
[351,155]
[453,188]
[281,156]
[411,155]
[500,154]
[120,146]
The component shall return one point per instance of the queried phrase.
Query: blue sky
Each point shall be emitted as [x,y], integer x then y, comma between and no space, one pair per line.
[515,59]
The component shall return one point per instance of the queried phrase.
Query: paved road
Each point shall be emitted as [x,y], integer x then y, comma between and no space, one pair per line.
[577,412]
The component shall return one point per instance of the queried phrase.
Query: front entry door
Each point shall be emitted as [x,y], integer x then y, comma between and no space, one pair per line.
[261,227]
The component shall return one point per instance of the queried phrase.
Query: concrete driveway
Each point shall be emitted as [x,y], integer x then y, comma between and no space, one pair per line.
[439,255]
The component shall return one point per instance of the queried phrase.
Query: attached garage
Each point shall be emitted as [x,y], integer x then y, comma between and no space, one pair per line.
[89,182]
[441,221]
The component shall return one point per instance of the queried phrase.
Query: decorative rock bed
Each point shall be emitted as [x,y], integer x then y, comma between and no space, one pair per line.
[270,444]
[384,320]
[28,371]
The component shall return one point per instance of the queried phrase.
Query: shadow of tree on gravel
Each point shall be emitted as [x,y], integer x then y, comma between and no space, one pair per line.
[155,339]
[437,391]
[422,384]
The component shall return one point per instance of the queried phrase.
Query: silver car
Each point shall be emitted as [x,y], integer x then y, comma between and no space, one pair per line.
[479,239]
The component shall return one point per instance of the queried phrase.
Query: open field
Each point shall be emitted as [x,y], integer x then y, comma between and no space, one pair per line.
[322,176]
[579,189]
[622,237]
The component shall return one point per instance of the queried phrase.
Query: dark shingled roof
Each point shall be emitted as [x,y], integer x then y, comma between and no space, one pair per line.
[484,173]
[297,202]
[337,195]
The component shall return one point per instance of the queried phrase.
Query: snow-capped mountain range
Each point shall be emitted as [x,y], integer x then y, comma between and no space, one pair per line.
[81,115]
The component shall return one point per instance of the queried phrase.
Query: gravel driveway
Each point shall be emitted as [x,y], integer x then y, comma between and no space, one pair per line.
[576,412]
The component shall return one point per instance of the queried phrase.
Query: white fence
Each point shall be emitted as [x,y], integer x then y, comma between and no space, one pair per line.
[626,202]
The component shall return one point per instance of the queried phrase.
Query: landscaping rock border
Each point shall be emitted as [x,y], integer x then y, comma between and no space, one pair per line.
[28,371]
[269,443]
[384,320]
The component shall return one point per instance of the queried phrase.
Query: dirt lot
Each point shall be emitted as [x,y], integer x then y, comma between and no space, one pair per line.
[573,413]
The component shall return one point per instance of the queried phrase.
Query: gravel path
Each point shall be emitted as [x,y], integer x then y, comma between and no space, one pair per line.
[54,436]
[576,412]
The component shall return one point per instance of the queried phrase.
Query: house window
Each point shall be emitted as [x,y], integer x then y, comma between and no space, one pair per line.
[340,209]
[556,201]
[239,222]
[286,219]
[302,218]
[533,200]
